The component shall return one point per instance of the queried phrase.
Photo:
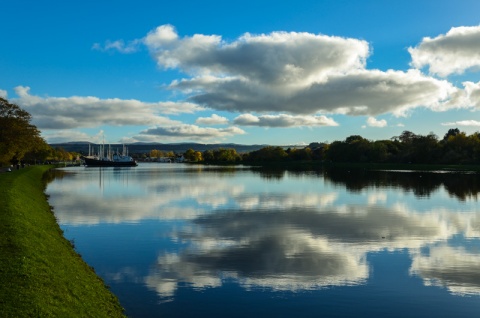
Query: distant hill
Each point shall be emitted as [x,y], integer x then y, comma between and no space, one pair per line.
[141,147]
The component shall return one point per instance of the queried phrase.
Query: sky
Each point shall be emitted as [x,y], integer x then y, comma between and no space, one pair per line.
[245,72]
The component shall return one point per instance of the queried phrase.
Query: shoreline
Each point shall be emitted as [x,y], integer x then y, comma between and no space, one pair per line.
[41,274]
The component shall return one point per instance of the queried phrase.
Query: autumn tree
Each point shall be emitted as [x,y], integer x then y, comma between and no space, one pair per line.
[192,155]
[269,153]
[156,153]
[17,135]
[226,155]
[221,155]
[189,155]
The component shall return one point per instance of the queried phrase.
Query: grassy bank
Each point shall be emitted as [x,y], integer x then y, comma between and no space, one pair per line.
[40,273]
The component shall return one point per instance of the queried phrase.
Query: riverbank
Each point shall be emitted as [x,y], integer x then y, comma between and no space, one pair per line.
[41,275]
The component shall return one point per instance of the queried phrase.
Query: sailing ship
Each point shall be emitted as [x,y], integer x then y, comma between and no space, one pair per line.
[110,159]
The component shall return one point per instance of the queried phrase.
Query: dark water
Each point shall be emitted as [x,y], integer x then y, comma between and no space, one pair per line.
[175,240]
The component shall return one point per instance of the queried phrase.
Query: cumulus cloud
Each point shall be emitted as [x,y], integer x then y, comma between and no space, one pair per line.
[190,132]
[212,120]
[3,93]
[283,120]
[373,122]
[78,111]
[303,73]
[298,73]
[454,52]
[278,57]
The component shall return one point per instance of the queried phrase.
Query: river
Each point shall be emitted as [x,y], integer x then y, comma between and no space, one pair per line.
[175,240]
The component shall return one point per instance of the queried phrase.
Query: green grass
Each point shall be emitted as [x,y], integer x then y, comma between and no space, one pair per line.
[40,273]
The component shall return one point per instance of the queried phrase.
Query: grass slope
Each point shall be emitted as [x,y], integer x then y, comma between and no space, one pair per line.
[40,273]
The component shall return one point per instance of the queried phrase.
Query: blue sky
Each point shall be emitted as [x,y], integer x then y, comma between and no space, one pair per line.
[250,72]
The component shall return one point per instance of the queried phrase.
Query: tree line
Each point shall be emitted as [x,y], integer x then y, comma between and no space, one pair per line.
[455,147]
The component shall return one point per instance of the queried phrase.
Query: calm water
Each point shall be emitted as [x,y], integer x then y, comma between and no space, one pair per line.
[175,240]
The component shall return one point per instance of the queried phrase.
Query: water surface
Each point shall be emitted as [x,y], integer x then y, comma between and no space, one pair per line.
[174,240]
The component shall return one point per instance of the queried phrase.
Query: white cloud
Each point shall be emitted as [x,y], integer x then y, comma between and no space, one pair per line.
[299,73]
[373,122]
[190,132]
[293,72]
[278,57]
[471,123]
[3,93]
[247,120]
[283,120]
[162,35]
[450,53]
[472,95]
[77,111]
[212,120]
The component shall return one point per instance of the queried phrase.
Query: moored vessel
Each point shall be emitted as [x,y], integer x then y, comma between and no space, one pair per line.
[111,159]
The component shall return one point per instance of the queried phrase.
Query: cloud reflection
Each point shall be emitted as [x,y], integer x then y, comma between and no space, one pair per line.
[277,260]
[295,249]
[452,268]
[272,237]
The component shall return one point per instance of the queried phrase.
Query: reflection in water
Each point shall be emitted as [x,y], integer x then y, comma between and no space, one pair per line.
[297,248]
[421,183]
[277,260]
[54,174]
[449,267]
[462,185]
[289,231]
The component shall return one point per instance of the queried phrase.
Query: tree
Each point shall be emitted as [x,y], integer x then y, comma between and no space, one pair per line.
[301,154]
[154,153]
[336,151]
[227,155]
[378,152]
[354,138]
[452,132]
[40,153]
[425,149]
[192,155]
[208,156]
[269,153]
[17,135]
[458,147]
[406,136]
[198,156]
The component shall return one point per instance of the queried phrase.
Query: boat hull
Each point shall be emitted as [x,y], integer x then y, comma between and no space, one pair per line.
[89,162]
